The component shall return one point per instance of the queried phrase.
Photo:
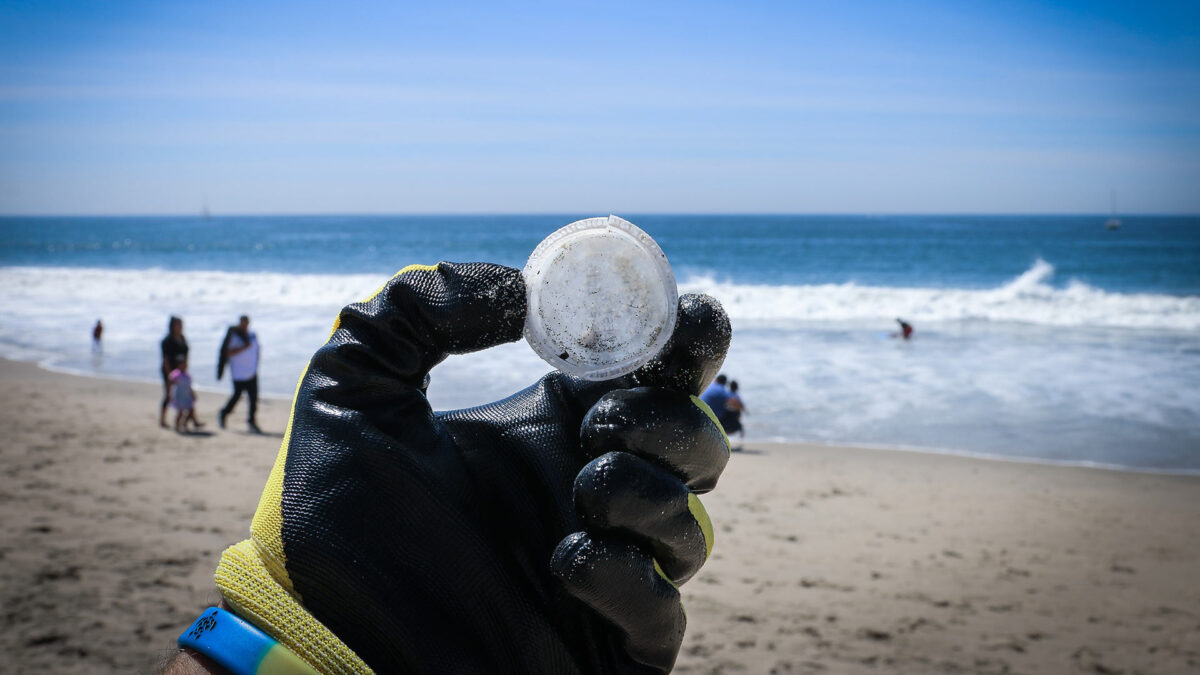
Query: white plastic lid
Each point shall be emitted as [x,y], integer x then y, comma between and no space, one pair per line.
[602,298]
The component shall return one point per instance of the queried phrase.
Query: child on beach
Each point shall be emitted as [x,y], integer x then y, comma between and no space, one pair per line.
[183,397]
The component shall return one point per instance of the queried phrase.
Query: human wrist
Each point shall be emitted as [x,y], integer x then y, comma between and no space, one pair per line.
[191,662]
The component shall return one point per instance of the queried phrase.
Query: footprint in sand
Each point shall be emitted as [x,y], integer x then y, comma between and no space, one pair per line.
[806,582]
[873,634]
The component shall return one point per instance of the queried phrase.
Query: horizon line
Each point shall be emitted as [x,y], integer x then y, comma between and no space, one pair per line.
[867,214]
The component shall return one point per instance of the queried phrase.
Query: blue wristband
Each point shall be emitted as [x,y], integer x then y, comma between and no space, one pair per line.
[239,646]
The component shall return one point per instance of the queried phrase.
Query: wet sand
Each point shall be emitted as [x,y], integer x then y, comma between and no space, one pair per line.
[837,560]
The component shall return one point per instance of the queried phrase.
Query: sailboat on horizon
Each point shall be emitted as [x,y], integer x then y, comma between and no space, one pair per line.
[1113,222]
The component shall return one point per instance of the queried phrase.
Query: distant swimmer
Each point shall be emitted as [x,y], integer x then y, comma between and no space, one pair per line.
[906,330]
[97,334]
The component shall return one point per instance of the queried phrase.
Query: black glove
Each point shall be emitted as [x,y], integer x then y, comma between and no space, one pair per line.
[520,536]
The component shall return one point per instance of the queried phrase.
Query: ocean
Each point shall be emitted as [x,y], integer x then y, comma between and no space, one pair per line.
[1043,338]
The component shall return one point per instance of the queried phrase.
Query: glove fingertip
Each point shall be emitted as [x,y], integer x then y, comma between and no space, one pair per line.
[696,350]
[627,588]
[570,553]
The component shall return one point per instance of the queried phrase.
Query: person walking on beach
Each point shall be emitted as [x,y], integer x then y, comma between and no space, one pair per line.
[174,346]
[240,350]
[97,331]
[183,396]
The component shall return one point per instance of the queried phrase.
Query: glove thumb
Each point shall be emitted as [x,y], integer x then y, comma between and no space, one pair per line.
[426,312]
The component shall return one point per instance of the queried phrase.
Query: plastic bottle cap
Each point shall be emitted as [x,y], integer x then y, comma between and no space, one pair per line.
[602,298]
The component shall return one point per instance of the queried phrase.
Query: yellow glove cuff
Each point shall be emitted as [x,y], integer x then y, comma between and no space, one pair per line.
[254,595]
[253,580]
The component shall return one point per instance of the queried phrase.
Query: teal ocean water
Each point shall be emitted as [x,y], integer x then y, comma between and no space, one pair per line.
[1045,338]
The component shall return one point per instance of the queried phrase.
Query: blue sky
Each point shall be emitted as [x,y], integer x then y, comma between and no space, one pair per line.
[841,107]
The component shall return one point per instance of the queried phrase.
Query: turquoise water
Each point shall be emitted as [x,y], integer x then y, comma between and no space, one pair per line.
[1036,337]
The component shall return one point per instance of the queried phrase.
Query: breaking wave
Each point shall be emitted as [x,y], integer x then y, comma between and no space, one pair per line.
[1028,298]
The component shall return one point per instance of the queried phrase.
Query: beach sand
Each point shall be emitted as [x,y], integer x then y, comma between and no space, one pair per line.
[828,559]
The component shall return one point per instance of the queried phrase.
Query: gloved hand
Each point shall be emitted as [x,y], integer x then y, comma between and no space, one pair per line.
[543,533]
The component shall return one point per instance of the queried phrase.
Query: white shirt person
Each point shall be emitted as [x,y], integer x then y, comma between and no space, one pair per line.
[241,350]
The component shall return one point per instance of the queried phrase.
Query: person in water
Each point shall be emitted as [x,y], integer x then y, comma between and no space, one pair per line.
[547,532]
[97,335]
[906,330]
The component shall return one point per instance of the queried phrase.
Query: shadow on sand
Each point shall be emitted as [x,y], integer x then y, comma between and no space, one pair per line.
[268,434]
[197,433]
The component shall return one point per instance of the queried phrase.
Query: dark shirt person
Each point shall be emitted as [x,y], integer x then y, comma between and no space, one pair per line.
[543,533]
[734,407]
[906,330]
[174,347]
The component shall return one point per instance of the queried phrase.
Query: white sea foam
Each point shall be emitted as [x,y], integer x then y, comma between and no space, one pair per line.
[1026,299]
[158,286]
[45,313]
[1026,369]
